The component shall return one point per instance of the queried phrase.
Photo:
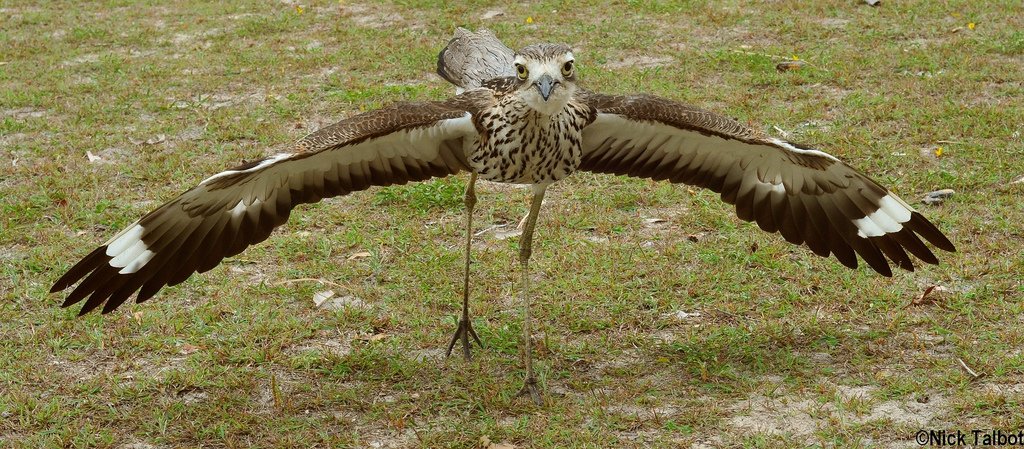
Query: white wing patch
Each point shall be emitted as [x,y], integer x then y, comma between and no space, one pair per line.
[124,239]
[137,263]
[127,250]
[889,218]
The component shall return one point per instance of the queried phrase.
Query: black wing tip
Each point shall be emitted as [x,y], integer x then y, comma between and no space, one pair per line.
[94,276]
[881,267]
[931,233]
[107,300]
[81,269]
[85,310]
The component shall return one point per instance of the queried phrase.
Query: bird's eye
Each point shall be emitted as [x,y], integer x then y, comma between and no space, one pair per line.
[567,68]
[521,71]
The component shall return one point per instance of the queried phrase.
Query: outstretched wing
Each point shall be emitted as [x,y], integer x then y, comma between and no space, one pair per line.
[239,207]
[804,194]
[471,58]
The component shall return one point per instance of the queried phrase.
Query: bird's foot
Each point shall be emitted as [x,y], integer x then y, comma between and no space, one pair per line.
[463,332]
[531,389]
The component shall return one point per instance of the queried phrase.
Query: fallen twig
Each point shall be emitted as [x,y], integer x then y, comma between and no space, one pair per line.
[322,281]
[974,375]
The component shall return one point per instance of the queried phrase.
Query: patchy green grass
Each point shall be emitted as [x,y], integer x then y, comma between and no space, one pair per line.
[777,347]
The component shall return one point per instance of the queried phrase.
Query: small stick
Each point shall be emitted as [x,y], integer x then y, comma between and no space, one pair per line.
[322,281]
[971,372]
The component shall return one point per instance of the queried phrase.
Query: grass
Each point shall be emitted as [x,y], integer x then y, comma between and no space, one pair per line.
[779,347]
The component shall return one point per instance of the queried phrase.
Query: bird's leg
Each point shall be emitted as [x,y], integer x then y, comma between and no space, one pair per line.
[464,328]
[525,249]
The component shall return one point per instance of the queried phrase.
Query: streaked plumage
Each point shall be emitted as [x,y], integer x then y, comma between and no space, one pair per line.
[471,58]
[522,119]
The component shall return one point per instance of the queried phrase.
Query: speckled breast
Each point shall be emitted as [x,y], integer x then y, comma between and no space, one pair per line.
[522,146]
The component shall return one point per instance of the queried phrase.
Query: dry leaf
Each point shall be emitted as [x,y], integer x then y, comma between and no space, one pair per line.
[873,2]
[682,315]
[937,197]
[373,338]
[654,220]
[332,303]
[92,157]
[696,237]
[359,255]
[1018,180]
[502,235]
[159,138]
[930,152]
[787,66]
[492,14]
[485,443]
[931,295]
[187,349]
[320,297]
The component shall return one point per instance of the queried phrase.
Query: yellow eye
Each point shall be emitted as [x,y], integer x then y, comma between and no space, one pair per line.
[567,68]
[521,71]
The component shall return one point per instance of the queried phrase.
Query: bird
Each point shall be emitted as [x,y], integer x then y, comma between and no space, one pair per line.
[525,122]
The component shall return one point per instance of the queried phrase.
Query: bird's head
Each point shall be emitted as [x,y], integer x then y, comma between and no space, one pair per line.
[547,76]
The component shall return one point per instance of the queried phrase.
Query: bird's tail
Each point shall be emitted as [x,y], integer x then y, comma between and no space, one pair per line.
[471,58]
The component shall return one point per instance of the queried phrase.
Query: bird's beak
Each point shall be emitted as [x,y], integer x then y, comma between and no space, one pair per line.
[545,84]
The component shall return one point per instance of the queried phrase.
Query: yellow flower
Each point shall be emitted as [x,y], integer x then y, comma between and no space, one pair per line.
[970,25]
[796,58]
[298,9]
[938,151]
[529,19]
